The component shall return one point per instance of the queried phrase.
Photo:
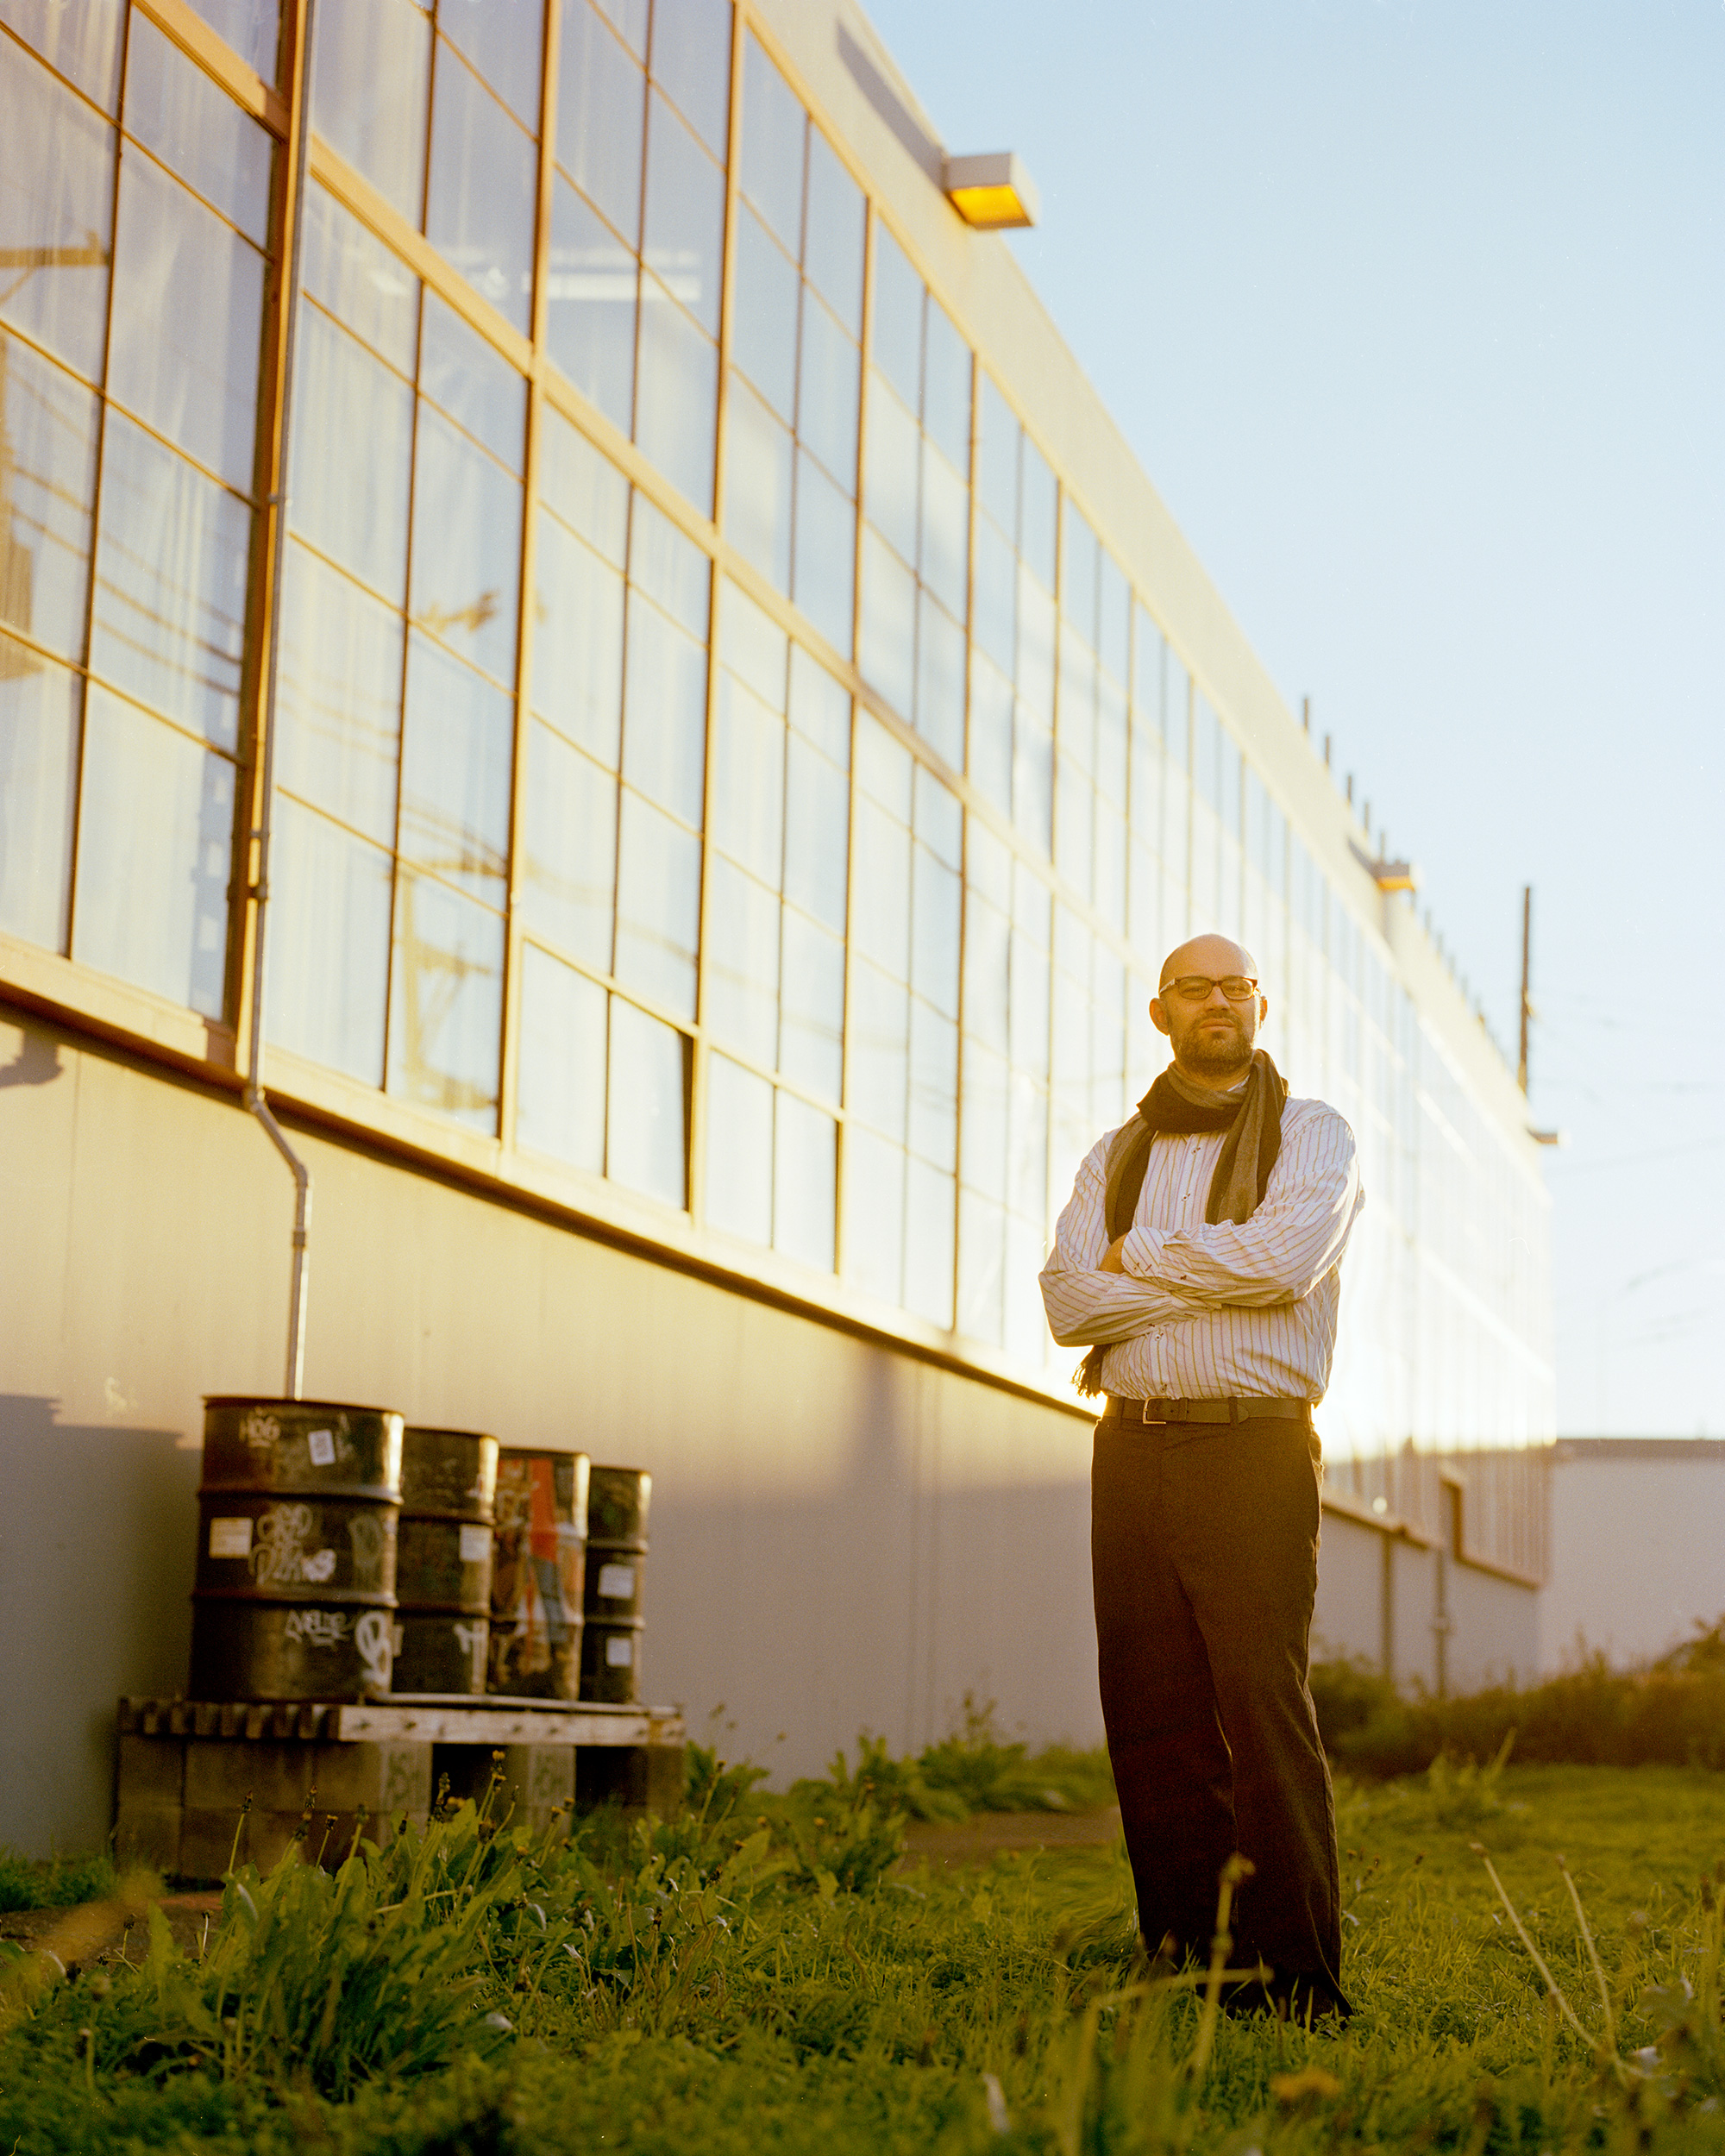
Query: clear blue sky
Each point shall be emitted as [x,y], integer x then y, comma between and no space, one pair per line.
[1415,313]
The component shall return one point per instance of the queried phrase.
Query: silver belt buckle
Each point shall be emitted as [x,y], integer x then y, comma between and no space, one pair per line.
[1153,1422]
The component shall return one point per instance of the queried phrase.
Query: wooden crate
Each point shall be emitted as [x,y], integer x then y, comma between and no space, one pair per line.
[187,1768]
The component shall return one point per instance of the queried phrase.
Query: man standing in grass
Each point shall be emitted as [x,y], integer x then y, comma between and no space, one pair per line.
[1198,1260]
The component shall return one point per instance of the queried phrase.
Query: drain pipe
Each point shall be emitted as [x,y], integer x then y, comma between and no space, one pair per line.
[256,1100]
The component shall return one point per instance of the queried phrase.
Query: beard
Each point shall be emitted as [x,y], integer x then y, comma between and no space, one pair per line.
[1217,1054]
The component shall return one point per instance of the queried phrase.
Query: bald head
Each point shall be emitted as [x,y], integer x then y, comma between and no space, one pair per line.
[1214,956]
[1210,1033]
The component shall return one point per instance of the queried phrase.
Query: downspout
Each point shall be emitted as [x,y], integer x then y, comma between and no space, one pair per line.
[256,1100]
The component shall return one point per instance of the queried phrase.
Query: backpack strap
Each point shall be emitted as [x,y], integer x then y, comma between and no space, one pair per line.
[1128,1161]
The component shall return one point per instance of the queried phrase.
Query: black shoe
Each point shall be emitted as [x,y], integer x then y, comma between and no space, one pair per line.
[1305,2001]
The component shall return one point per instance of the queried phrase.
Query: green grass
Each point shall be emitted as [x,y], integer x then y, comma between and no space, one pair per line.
[57,1883]
[756,1977]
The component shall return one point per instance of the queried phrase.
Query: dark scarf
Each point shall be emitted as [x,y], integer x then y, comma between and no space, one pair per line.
[1174,1105]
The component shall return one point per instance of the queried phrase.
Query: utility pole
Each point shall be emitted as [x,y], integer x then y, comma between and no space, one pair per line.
[1526,998]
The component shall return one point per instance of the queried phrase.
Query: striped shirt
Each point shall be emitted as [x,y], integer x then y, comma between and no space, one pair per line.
[1205,1311]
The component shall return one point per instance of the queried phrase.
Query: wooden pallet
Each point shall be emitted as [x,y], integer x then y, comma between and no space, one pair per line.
[192,1773]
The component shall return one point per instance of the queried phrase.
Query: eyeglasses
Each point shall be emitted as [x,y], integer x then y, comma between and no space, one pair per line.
[1193,987]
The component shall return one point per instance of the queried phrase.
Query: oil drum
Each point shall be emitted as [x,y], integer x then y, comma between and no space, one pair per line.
[538,1545]
[443,1557]
[617,1498]
[295,1592]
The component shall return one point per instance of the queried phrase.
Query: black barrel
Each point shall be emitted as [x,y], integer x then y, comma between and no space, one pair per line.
[538,1547]
[295,1593]
[617,1498]
[443,1557]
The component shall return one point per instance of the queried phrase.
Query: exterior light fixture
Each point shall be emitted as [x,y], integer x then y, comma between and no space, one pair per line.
[1548,1137]
[1394,875]
[992,192]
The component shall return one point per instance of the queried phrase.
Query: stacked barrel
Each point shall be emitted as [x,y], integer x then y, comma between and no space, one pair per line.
[297,1511]
[443,1559]
[342,1555]
[618,1499]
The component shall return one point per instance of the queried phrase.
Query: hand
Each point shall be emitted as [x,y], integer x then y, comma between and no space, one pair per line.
[1112,1261]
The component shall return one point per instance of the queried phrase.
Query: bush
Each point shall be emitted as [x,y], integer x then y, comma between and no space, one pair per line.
[61,1882]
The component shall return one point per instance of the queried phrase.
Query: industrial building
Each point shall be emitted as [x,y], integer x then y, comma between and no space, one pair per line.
[737,731]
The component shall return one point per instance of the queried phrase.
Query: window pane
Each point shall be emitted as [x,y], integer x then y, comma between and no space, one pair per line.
[817,816]
[197,131]
[884,768]
[757,492]
[676,418]
[685,233]
[986,934]
[155,855]
[474,383]
[1078,573]
[1032,780]
[749,782]
[670,569]
[1027,1149]
[339,721]
[658,905]
[928,1244]
[590,306]
[935,915]
[480,208]
[829,386]
[578,642]
[934,1087]
[56,193]
[890,479]
[373,63]
[774,125]
[253,28]
[1113,605]
[79,38]
[983,1165]
[188,294]
[568,850]
[753,648]
[879,1032]
[811,1006]
[467,547]
[49,429]
[1073,801]
[946,390]
[665,733]
[897,330]
[940,680]
[601,117]
[1029,1006]
[646,1141]
[883,878]
[584,487]
[739,1151]
[997,460]
[1036,647]
[504,40]
[824,578]
[370,290]
[832,243]
[742,992]
[820,707]
[560,1095]
[629,19]
[991,732]
[887,655]
[446,1002]
[945,559]
[764,328]
[874,1214]
[692,60]
[38,773]
[1037,498]
[457,762]
[328,948]
[352,506]
[804,1158]
[172,554]
[982,1228]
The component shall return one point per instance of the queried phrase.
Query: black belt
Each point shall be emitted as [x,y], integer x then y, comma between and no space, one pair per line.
[1155,1411]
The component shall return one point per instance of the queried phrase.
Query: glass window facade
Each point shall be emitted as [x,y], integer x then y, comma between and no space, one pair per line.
[782,831]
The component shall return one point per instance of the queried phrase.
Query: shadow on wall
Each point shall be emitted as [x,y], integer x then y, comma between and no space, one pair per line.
[97,1531]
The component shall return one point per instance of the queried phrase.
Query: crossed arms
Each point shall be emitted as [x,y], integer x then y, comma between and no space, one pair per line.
[1169,1275]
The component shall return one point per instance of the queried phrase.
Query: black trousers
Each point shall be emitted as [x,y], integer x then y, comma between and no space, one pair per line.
[1204,1551]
